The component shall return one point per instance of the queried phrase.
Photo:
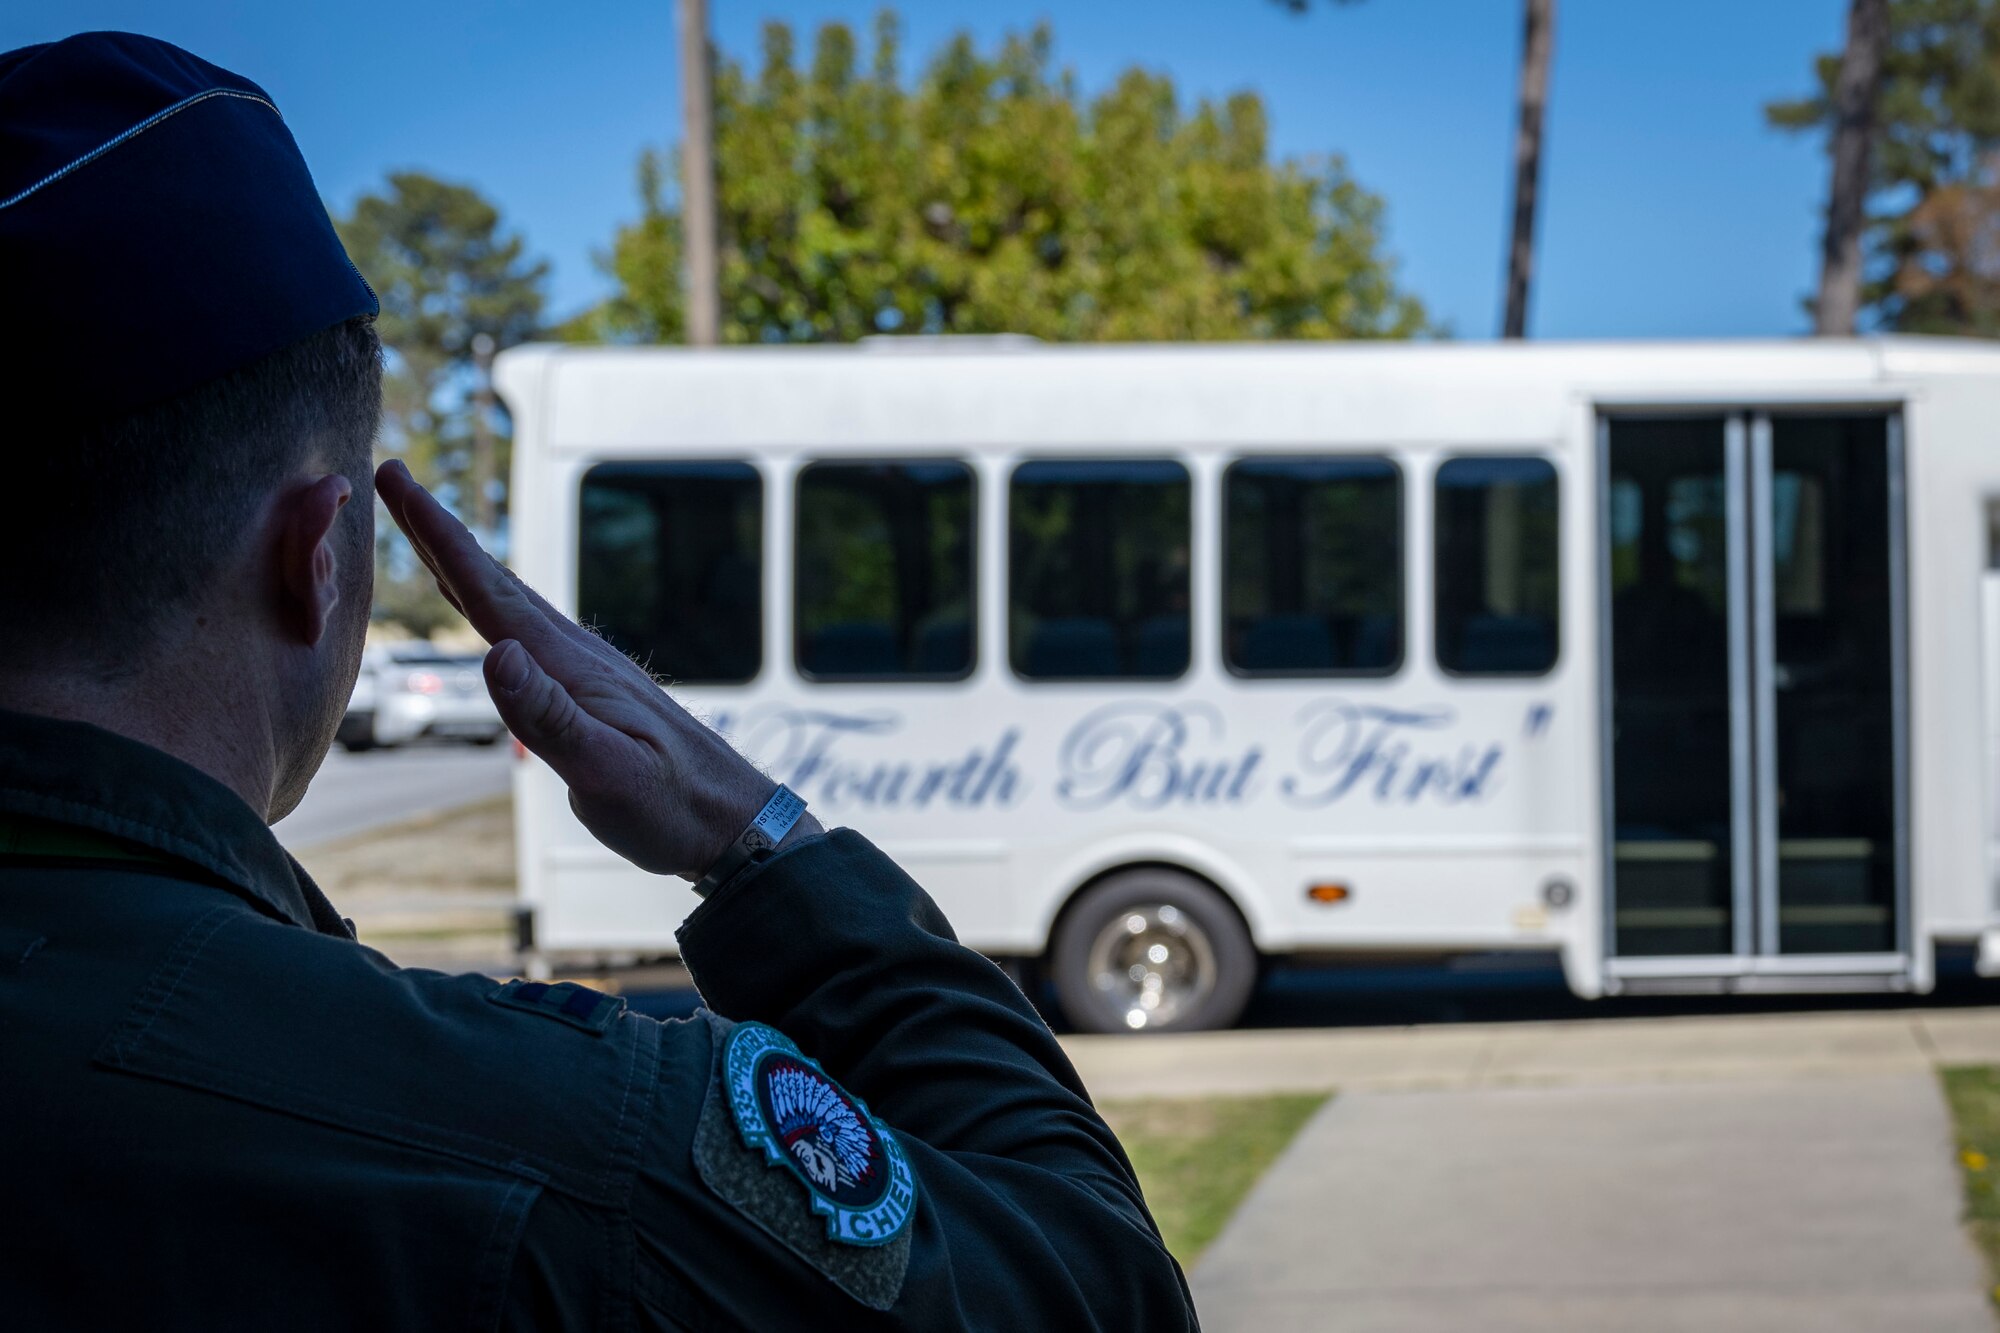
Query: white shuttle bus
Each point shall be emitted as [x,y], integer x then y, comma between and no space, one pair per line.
[1155,662]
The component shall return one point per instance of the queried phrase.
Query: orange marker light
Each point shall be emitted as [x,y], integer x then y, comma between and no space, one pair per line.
[1329,893]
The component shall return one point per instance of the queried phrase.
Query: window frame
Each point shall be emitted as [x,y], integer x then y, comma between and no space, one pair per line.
[1403,528]
[1189,477]
[763,555]
[1437,539]
[973,534]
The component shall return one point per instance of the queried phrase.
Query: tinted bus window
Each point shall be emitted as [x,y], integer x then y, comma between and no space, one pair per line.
[1312,580]
[670,566]
[1098,570]
[882,581]
[1496,566]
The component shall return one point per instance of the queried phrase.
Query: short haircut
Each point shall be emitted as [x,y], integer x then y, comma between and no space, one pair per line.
[107,528]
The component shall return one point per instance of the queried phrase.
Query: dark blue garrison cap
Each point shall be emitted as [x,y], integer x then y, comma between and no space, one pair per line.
[158,227]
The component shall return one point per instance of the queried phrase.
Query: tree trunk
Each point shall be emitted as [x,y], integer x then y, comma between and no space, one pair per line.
[1537,45]
[1854,97]
[485,519]
[698,229]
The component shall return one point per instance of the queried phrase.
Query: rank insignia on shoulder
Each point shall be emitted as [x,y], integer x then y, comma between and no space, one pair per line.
[564,1001]
[853,1170]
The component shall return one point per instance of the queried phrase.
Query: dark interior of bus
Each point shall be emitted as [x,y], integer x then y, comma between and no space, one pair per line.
[1690,778]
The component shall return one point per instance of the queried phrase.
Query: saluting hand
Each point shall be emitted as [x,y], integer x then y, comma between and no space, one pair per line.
[648,780]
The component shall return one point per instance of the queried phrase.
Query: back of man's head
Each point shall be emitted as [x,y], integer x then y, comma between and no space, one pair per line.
[111,529]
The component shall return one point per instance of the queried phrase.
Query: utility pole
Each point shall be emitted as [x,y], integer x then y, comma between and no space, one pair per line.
[484,520]
[698,229]
[1537,45]
[1855,91]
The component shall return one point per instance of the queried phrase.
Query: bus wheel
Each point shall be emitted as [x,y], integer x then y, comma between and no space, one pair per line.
[1152,951]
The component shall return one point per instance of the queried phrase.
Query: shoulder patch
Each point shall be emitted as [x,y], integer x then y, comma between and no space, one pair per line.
[853,1171]
[803,1158]
[564,1001]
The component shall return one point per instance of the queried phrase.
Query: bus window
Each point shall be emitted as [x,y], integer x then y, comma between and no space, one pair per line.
[882,573]
[1496,566]
[1098,570]
[670,566]
[1312,580]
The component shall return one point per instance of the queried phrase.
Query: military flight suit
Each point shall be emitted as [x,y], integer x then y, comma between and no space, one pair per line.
[221,1112]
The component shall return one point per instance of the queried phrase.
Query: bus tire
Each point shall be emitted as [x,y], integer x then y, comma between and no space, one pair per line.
[1152,950]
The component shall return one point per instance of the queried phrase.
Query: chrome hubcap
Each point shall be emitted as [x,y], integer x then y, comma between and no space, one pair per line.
[1152,965]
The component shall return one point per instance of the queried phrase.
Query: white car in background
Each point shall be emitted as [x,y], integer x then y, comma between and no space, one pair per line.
[413,691]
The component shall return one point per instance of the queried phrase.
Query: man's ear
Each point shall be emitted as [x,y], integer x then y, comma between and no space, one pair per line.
[309,569]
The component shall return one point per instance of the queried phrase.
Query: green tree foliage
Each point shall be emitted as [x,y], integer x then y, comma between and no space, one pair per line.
[1933,237]
[992,197]
[436,254]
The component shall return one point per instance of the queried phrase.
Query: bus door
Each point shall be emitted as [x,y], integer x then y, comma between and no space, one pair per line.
[1989,625]
[1755,715]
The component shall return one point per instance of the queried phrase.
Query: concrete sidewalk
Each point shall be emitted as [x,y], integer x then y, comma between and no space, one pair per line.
[1489,1055]
[1817,1205]
[1749,1172]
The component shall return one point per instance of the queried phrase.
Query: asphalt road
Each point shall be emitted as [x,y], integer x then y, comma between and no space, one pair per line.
[1473,990]
[354,793]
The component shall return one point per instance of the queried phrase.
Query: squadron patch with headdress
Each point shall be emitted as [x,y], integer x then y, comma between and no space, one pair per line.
[786,1105]
[798,1154]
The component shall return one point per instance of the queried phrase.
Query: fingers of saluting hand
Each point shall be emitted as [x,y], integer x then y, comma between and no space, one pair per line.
[544,716]
[650,782]
[499,605]
[528,635]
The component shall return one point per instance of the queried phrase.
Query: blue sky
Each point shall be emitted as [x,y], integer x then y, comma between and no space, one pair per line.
[1669,209]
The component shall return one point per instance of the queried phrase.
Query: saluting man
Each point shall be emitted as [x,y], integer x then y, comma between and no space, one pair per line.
[221,1112]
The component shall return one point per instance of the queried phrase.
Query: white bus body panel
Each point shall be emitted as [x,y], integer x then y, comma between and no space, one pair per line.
[1447,806]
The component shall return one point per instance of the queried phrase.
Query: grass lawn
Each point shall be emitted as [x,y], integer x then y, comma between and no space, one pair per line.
[1198,1157]
[1973,1093]
[436,890]
[470,848]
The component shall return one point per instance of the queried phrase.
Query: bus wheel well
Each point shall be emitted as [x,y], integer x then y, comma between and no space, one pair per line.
[1150,945]
[1077,893]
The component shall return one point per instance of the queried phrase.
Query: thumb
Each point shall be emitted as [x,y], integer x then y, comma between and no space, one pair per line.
[535,706]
